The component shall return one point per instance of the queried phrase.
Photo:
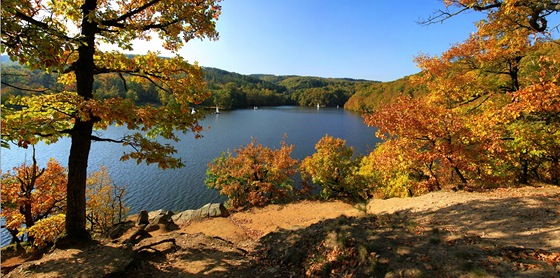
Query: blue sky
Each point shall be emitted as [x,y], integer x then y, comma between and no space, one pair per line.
[366,39]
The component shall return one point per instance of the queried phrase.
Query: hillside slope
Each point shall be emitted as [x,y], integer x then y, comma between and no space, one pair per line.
[503,233]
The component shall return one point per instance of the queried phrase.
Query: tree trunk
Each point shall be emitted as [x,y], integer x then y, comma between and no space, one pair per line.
[460,175]
[555,171]
[81,132]
[77,175]
[524,178]
[457,171]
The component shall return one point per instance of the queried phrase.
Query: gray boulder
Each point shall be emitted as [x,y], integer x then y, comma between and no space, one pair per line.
[207,211]
[160,219]
[153,214]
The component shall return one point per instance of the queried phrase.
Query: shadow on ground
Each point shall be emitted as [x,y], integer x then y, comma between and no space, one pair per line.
[85,260]
[506,237]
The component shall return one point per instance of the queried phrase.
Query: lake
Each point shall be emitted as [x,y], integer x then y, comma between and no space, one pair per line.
[151,188]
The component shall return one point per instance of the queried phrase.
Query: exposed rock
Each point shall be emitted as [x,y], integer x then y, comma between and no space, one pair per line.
[208,210]
[143,218]
[119,229]
[153,214]
[152,227]
[171,226]
[215,210]
[161,219]
[183,217]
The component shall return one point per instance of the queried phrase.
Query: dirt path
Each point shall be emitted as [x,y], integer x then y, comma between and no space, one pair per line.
[253,224]
[522,217]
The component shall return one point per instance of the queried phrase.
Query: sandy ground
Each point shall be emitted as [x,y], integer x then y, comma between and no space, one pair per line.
[257,222]
[523,216]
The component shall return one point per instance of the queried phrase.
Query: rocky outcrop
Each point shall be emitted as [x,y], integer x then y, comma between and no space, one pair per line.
[160,219]
[143,218]
[167,221]
[207,211]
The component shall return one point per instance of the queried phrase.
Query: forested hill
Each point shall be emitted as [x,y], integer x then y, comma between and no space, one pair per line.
[371,97]
[228,90]
[233,90]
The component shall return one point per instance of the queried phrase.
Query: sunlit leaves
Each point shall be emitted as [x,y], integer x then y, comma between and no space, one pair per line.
[30,194]
[105,203]
[29,119]
[46,230]
[509,15]
[181,21]
[66,36]
[439,140]
[491,112]
[389,171]
[534,117]
[34,202]
[45,35]
[333,168]
[254,175]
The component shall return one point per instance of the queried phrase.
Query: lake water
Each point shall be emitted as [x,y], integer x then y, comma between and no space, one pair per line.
[151,188]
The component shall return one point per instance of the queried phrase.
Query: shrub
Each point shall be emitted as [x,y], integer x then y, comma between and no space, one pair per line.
[104,202]
[34,202]
[334,169]
[46,230]
[30,194]
[254,175]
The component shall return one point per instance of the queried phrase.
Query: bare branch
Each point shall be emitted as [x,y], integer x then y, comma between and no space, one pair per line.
[440,16]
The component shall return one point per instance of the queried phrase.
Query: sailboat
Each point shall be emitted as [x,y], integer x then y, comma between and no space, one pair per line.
[217,110]
[318,106]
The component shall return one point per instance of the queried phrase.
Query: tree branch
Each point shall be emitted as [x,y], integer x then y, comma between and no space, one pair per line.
[440,16]
[24,89]
[118,22]
[146,75]
[41,25]
[100,139]
[32,21]
[124,81]
[115,22]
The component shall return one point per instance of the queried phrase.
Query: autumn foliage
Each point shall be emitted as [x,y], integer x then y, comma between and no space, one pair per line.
[30,197]
[67,37]
[105,202]
[254,175]
[490,116]
[334,169]
[34,202]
